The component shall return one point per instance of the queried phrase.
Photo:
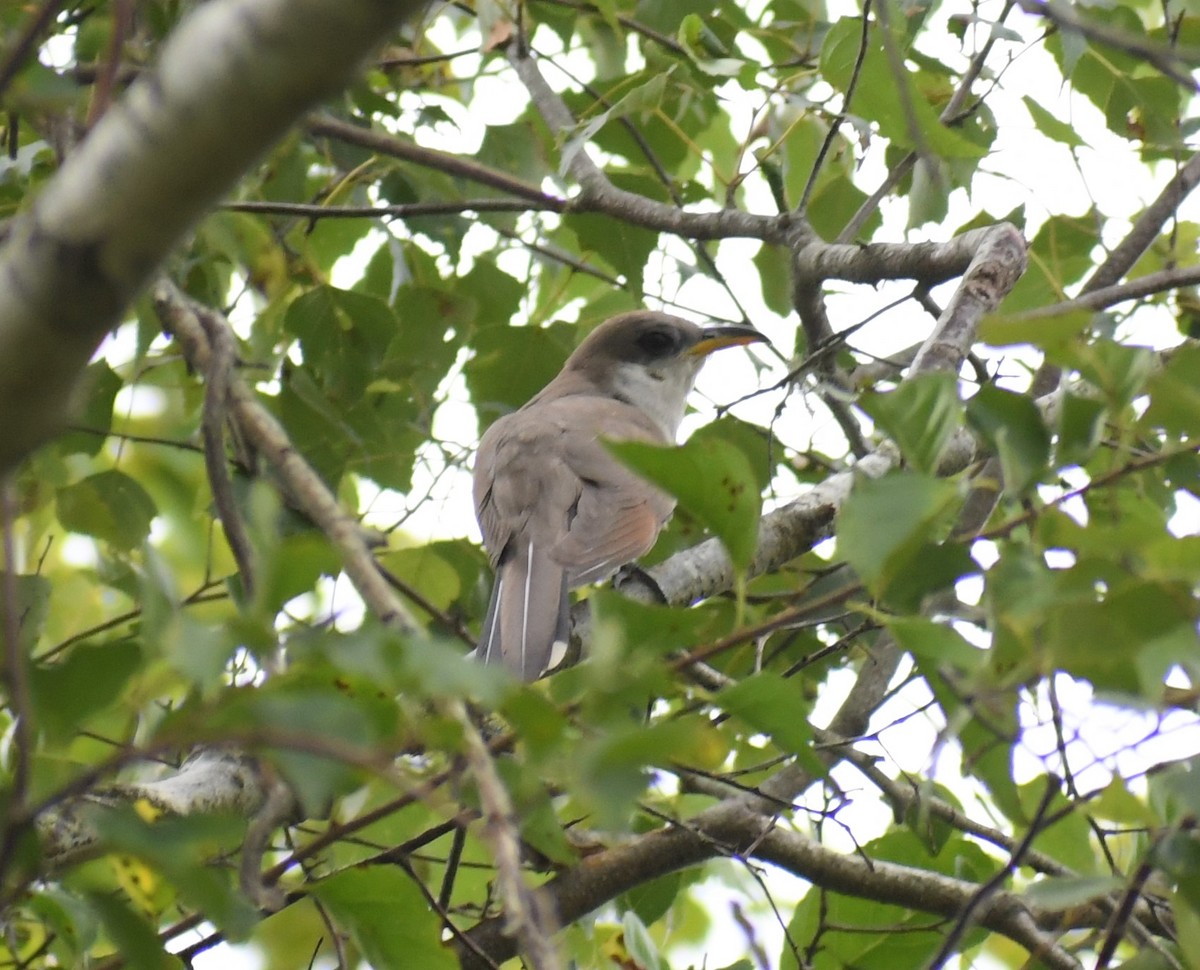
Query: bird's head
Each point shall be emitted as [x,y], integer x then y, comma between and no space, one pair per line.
[650,360]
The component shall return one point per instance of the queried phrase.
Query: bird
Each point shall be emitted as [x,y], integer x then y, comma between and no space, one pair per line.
[556,509]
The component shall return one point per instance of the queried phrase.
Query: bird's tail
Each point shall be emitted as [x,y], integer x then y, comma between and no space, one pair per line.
[528,614]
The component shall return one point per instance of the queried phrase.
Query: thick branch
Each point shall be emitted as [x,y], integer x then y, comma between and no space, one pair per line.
[994,266]
[231,80]
[994,260]
[927,262]
[407,210]
[734,827]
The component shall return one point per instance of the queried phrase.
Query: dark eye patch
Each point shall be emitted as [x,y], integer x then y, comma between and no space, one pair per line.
[658,342]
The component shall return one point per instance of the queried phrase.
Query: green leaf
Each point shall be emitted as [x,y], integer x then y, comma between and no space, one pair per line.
[712,479]
[374,431]
[929,198]
[937,643]
[1080,428]
[540,724]
[774,277]
[1059,255]
[933,567]
[774,706]
[515,149]
[1120,371]
[834,203]
[1175,393]
[652,630]
[99,384]
[31,595]
[1051,126]
[68,917]
[40,90]
[753,441]
[1117,803]
[305,709]
[1101,640]
[1048,331]
[135,939]
[625,247]
[344,335]
[89,680]
[180,848]
[496,296]
[498,387]
[886,523]
[1013,428]
[422,569]
[611,769]
[654,899]
[541,828]
[1067,892]
[885,99]
[640,945]
[1135,107]
[920,416]
[293,566]
[704,48]
[110,506]
[387,917]
[641,92]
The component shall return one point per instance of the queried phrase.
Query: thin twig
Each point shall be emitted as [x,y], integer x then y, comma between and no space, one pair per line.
[966,918]
[182,318]
[26,41]
[409,210]
[527,915]
[221,359]
[16,678]
[106,77]
[1170,61]
[329,127]
[839,119]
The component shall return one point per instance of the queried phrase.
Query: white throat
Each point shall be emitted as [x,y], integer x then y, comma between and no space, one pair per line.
[659,391]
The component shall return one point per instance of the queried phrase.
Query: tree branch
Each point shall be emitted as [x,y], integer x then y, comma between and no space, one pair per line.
[1175,63]
[393,147]
[993,259]
[598,194]
[408,210]
[737,828]
[1122,258]
[232,78]
[182,317]
[994,267]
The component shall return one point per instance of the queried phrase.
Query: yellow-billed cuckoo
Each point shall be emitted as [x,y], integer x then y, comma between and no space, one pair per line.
[557,510]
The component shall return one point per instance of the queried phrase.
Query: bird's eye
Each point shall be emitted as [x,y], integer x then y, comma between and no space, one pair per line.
[658,342]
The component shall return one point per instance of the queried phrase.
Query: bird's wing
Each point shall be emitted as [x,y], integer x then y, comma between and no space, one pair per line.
[557,509]
[523,498]
[617,515]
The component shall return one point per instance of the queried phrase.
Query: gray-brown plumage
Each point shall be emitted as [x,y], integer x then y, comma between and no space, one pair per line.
[557,510]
